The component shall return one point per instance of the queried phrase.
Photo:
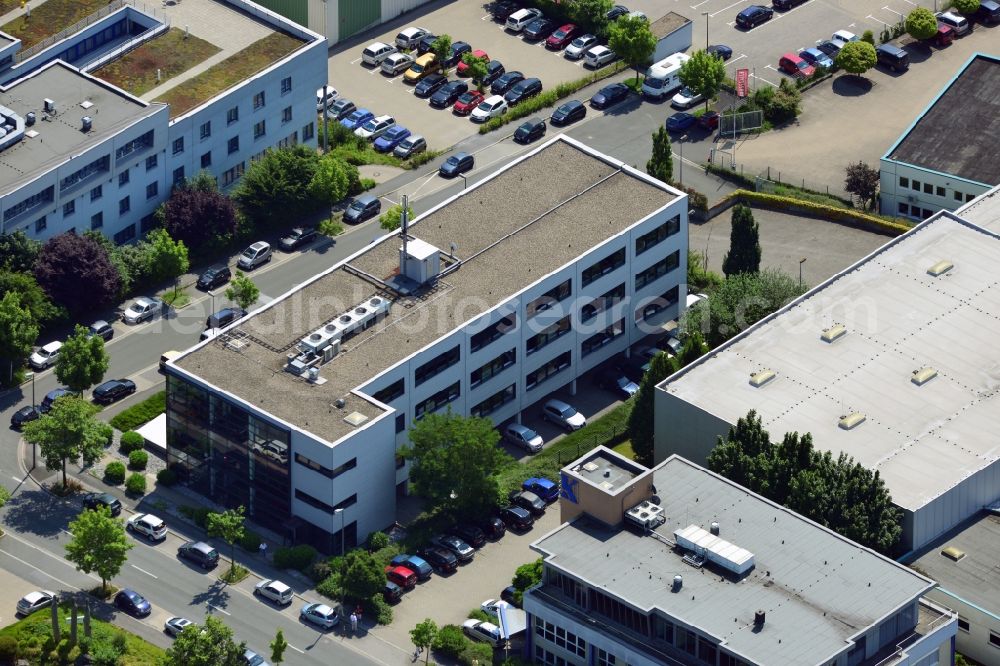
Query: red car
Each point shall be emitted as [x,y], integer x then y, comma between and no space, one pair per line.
[796,66]
[467,102]
[462,68]
[561,37]
[710,120]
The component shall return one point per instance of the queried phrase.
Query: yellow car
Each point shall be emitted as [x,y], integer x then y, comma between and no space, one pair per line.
[425,64]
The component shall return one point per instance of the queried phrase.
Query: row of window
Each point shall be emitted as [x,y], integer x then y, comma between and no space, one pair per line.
[556,294]
[323,506]
[914,211]
[495,401]
[553,367]
[326,471]
[438,400]
[436,365]
[609,263]
[603,302]
[658,270]
[936,190]
[492,368]
[559,637]
[598,340]
[549,335]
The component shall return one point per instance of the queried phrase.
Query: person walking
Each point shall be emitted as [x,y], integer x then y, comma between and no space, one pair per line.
[354,623]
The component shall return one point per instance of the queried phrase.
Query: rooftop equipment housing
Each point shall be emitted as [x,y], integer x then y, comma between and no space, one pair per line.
[730,557]
[324,343]
[646,516]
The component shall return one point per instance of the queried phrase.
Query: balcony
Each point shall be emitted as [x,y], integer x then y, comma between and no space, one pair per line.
[931,619]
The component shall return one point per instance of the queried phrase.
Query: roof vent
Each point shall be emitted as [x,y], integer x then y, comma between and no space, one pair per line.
[714,528]
[758,379]
[86,104]
[678,582]
[355,418]
[29,118]
[758,618]
[953,553]
[86,123]
[851,421]
[339,403]
[835,332]
[940,268]
[49,105]
[923,375]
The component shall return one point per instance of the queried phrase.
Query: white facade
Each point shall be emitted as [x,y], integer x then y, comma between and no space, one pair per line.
[906,190]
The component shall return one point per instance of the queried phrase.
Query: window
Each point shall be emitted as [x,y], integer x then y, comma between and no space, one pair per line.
[178,175]
[492,332]
[400,427]
[553,367]
[258,130]
[939,191]
[436,365]
[904,182]
[495,401]
[657,270]
[598,340]
[605,658]
[350,501]
[41,223]
[148,223]
[35,200]
[400,460]
[963,624]
[657,235]
[603,302]
[96,221]
[152,190]
[69,208]
[665,300]
[286,114]
[289,141]
[554,295]
[323,506]
[438,400]
[123,178]
[308,131]
[230,176]
[904,209]
[545,657]
[548,335]
[994,639]
[258,100]
[326,471]
[556,635]
[958,195]
[915,185]
[124,205]
[927,213]
[286,85]
[233,144]
[99,165]
[928,188]
[206,160]
[232,115]
[390,392]
[142,143]
[178,146]
[125,235]
[206,130]
[604,266]
[150,162]
[969,197]
[493,368]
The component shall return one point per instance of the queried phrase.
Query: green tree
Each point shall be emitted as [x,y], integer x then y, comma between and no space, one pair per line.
[525,576]
[67,432]
[966,7]
[98,544]
[454,459]
[230,526]
[275,188]
[661,162]
[863,181]
[82,361]
[744,243]
[242,291]
[591,15]
[18,331]
[211,644]
[168,258]
[38,303]
[476,68]
[332,180]
[18,252]
[632,41]
[392,218]
[856,57]
[703,73]
[869,36]
[921,23]
[640,419]
[441,48]
[278,647]
[423,636]
[364,576]
[698,276]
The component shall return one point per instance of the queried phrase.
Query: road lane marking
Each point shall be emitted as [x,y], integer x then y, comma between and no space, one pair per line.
[221,610]
[145,572]
[296,649]
[44,573]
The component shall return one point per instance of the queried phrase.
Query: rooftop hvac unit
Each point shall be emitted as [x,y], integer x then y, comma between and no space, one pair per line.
[730,557]
[49,105]
[646,516]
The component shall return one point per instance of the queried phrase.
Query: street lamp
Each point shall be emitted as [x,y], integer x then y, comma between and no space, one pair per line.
[801,261]
[680,174]
[33,406]
[706,15]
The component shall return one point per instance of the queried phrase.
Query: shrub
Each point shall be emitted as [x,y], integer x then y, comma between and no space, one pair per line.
[250,541]
[114,473]
[450,641]
[198,514]
[330,586]
[420,159]
[476,653]
[320,570]
[378,540]
[131,441]
[8,649]
[107,433]
[166,477]
[368,184]
[383,611]
[696,199]
[138,460]
[479,614]
[143,412]
[331,227]
[296,557]
[136,483]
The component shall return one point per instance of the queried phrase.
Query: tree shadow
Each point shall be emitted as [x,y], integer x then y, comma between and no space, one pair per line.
[851,85]
[215,597]
[33,511]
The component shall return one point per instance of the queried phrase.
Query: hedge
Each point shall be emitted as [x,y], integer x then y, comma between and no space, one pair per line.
[136,483]
[297,557]
[166,477]
[143,412]
[131,441]
[849,217]
[138,460]
[198,514]
[114,473]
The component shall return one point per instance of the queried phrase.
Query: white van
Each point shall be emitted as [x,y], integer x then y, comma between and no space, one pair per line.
[522,17]
[663,78]
[376,52]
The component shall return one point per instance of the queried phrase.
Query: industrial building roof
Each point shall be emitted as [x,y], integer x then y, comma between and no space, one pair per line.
[958,132]
[983,211]
[542,218]
[817,589]
[923,433]
[667,24]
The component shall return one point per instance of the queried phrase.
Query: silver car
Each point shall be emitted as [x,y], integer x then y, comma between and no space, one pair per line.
[375,127]
[564,416]
[411,145]
[523,437]
[321,615]
[580,45]
[175,625]
[33,601]
[143,308]
[396,64]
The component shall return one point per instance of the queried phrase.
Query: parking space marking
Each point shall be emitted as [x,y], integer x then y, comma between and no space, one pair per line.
[296,649]
[761,78]
[729,7]
[893,11]
[741,56]
[488,17]
[699,4]
[877,20]
[356,61]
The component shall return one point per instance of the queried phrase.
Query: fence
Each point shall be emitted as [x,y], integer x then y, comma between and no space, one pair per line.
[608,437]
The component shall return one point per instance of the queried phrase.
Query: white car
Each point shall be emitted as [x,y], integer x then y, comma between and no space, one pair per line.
[598,57]
[175,625]
[842,37]
[275,591]
[410,37]
[492,607]
[396,63]
[563,415]
[517,21]
[685,99]
[46,356]
[376,52]
[143,308]
[375,127]
[331,97]
[491,107]
[148,525]
[483,631]
[33,601]
[580,45]
[321,615]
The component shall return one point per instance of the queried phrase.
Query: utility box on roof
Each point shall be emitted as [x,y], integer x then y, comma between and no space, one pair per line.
[420,261]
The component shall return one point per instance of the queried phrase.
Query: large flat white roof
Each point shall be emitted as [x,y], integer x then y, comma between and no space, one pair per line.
[923,440]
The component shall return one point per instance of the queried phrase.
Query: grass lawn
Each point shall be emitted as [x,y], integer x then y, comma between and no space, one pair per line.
[49,18]
[625,449]
[229,72]
[33,635]
[171,53]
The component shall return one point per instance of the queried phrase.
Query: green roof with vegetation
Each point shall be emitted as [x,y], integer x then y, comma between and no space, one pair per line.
[48,18]
[170,54]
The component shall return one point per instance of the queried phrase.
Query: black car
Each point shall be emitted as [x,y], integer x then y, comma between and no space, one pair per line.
[720,50]
[362,208]
[504,8]
[617,12]
[458,548]
[101,329]
[570,112]
[426,44]
[530,130]
[506,82]
[341,109]
[516,518]
[200,553]
[609,95]
[225,317]
[507,594]
[458,49]
[133,603]
[470,534]
[493,528]
[114,389]
[430,85]
[494,70]
[297,237]
[528,501]
[617,381]
[51,397]
[540,28]
[214,276]
[24,415]
[524,90]
[449,94]
[392,593]
[785,5]
[456,164]
[753,16]
[830,48]
[93,501]
[439,558]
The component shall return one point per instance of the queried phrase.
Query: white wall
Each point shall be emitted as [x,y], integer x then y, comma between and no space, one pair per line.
[952,507]
[896,184]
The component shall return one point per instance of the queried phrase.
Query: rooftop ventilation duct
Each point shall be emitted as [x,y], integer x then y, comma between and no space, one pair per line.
[923,375]
[758,379]
[758,618]
[833,333]
[940,268]
[851,421]
[678,582]
[86,124]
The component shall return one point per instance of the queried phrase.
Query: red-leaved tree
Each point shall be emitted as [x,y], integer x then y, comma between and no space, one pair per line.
[76,273]
[199,217]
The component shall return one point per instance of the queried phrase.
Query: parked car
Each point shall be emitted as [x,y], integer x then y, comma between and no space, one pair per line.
[391,592]
[494,70]
[561,37]
[685,98]
[491,107]
[401,576]
[449,94]
[225,317]
[459,548]
[362,208]
[101,329]
[785,5]
[396,64]
[470,534]
[375,127]
[563,415]
[944,36]
[516,518]
[409,37]
[462,69]
[829,48]
[340,109]
[325,99]
[539,29]
[113,390]
[410,146]
[816,58]
[955,21]
[214,276]
[520,19]
[528,501]
[609,95]
[545,489]
[456,164]
[45,356]
[483,631]
[142,309]
[297,237]
[92,501]
[458,49]
[720,51]
[274,590]
[321,615]
[523,90]
[598,56]
[199,552]
[51,397]
[843,37]
[892,57]
[493,528]
[795,66]
[24,415]
[988,12]
[492,607]
[33,601]
[414,563]
[425,44]
[617,12]
[253,659]
[150,526]
[753,16]
[442,559]
[530,130]
[176,625]
[680,121]
[133,603]
[616,381]
[255,255]
[569,112]
[502,9]
[507,594]
[524,437]
[391,138]
[356,118]
[506,82]
[709,120]
[421,68]
[466,102]
[430,85]
[376,52]
[581,45]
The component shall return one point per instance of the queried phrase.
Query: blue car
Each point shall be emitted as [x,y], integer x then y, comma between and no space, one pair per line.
[815,57]
[392,138]
[417,565]
[132,603]
[547,490]
[357,119]
[680,122]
